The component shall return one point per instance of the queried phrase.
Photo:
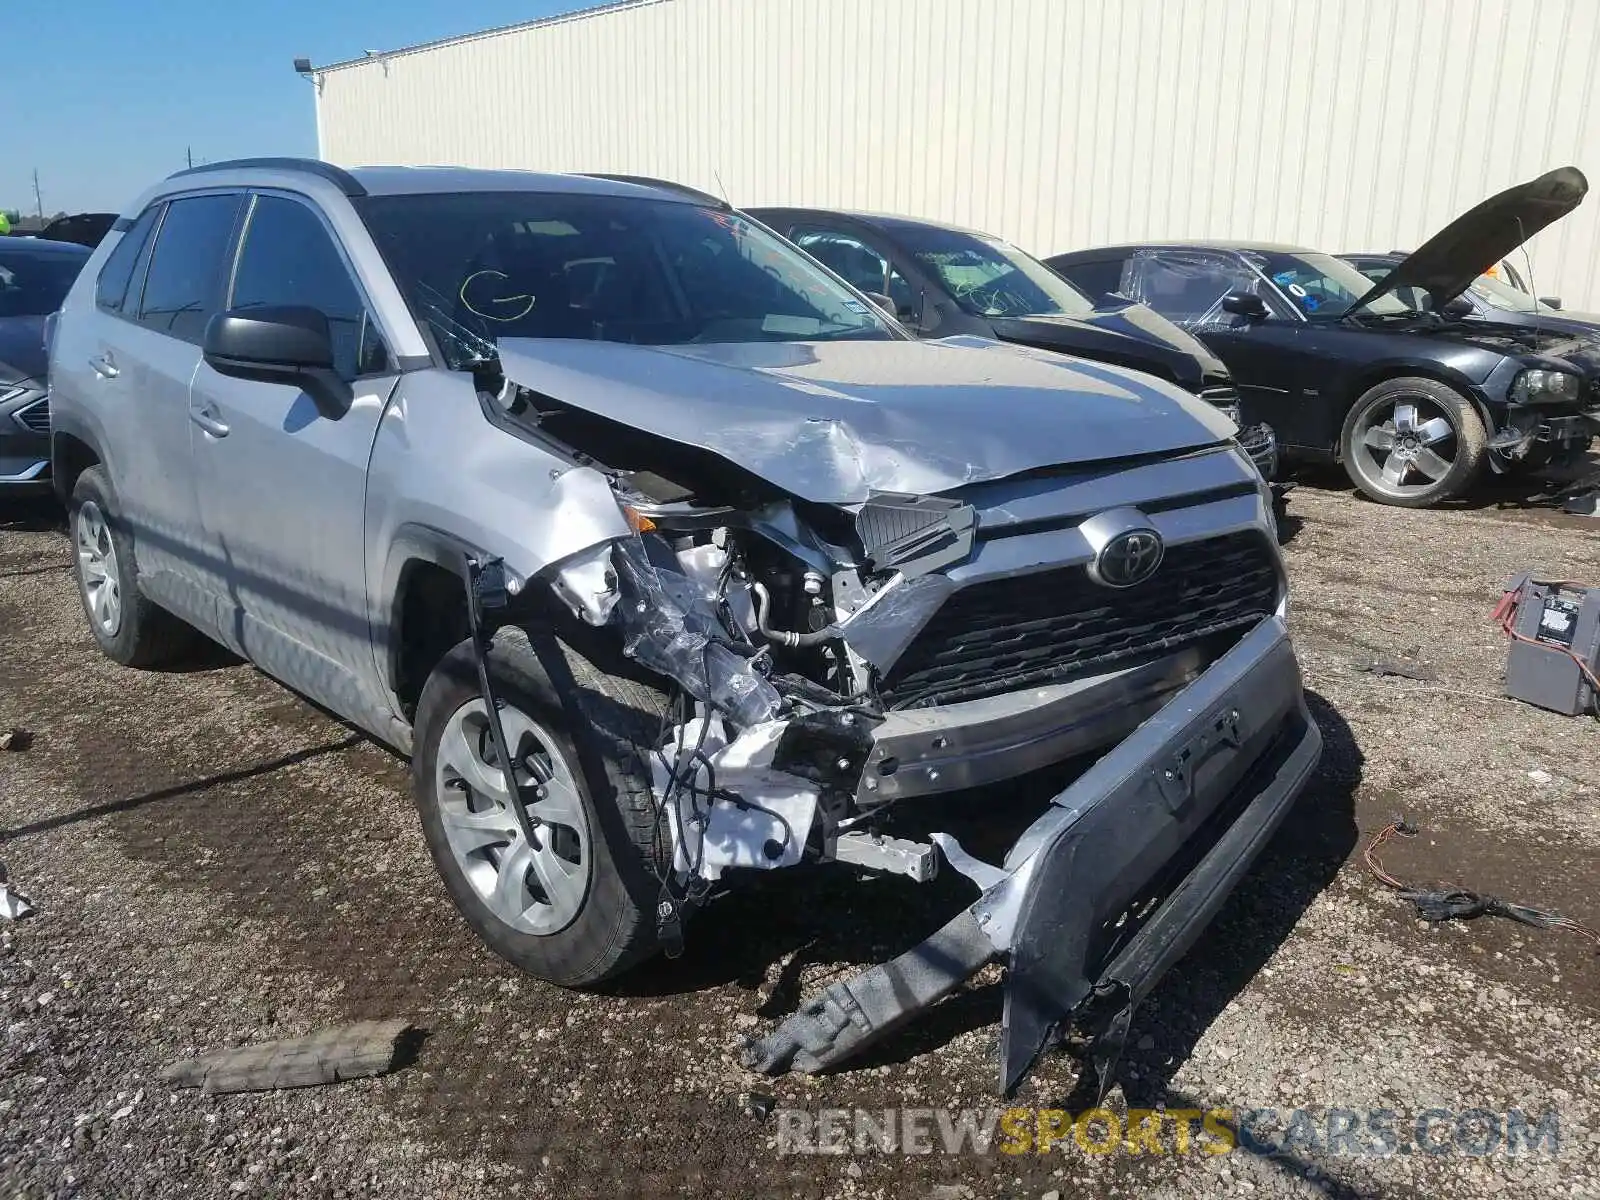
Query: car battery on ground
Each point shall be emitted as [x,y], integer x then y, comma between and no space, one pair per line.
[1554,626]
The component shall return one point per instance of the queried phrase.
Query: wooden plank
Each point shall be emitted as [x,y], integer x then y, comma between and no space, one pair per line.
[357,1051]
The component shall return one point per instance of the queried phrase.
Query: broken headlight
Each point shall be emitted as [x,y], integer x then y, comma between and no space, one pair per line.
[1535,386]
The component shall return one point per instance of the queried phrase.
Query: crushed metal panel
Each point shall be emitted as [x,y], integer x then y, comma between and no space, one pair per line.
[836,422]
[1241,742]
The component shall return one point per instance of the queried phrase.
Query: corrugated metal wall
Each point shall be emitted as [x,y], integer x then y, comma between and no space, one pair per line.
[1356,124]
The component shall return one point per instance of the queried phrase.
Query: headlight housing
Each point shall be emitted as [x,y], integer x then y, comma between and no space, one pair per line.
[1538,385]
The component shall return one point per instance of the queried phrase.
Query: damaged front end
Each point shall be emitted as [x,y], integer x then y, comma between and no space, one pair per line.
[834,662]
[1108,888]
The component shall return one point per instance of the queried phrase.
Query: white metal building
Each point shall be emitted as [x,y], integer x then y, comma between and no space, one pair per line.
[1341,124]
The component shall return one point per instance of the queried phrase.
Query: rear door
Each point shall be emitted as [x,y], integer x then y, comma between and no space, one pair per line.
[282,484]
[137,354]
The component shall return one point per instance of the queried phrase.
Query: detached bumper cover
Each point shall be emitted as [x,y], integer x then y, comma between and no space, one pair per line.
[1110,886]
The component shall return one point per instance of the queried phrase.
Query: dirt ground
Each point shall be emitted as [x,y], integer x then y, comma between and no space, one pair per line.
[215,861]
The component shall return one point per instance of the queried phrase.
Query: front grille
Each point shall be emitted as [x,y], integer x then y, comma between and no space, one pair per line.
[1005,634]
[35,416]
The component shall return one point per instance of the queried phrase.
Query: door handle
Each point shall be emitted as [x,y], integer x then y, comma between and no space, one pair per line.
[105,366]
[206,417]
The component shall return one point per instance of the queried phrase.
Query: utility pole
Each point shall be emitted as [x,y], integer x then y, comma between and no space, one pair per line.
[38,202]
[188,154]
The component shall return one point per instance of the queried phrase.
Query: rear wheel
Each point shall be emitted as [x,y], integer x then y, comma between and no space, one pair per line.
[575,904]
[1413,442]
[129,628]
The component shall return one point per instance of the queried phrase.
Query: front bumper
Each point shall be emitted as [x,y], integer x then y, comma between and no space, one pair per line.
[921,752]
[1110,886]
[24,439]
[1538,435]
[1261,444]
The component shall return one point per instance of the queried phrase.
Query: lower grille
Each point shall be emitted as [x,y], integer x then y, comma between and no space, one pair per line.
[1005,634]
[35,416]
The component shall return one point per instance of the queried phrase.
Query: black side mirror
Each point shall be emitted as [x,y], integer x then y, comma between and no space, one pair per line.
[1456,307]
[1245,304]
[287,343]
[1550,301]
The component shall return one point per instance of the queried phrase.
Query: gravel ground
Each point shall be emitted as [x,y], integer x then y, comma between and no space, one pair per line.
[217,862]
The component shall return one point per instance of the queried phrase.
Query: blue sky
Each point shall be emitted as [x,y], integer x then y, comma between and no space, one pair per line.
[105,96]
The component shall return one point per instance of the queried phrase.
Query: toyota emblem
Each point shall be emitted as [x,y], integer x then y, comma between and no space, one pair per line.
[1128,559]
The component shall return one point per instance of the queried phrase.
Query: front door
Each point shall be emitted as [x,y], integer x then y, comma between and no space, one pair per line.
[1264,355]
[283,482]
[856,260]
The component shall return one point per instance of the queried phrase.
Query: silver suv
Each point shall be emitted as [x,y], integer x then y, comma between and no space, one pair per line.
[668,558]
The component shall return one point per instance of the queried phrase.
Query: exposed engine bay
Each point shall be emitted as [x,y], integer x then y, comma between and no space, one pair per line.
[772,614]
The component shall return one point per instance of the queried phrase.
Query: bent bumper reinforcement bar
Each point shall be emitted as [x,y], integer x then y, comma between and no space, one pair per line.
[1105,890]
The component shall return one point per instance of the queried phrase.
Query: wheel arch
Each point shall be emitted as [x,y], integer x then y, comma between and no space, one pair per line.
[71,454]
[423,609]
[1359,383]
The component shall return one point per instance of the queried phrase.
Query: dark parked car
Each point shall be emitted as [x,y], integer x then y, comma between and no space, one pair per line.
[34,278]
[1412,401]
[87,229]
[942,281]
[1492,299]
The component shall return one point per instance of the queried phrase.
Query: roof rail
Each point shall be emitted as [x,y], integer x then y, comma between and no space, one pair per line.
[338,176]
[665,185]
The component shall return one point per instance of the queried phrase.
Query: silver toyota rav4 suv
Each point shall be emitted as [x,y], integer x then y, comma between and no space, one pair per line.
[667,558]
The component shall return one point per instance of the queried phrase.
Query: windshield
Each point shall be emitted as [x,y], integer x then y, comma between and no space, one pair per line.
[1321,285]
[1500,294]
[34,285]
[988,277]
[479,266]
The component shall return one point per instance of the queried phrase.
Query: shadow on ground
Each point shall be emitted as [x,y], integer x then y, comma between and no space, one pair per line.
[33,514]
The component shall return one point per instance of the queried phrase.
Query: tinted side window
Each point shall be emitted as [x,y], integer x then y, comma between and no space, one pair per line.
[852,259]
[112,286]
[289,257]
[184,284]
[1095,278]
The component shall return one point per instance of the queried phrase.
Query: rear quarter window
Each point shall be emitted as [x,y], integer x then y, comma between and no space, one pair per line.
[111,288]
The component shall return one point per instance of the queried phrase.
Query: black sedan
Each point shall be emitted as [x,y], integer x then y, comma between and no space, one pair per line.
[1491,299]
[34,278]
[1412,400]
[942,281]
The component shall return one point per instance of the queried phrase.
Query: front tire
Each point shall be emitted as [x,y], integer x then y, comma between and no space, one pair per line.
[577,907]
[1413,442]
[130,629]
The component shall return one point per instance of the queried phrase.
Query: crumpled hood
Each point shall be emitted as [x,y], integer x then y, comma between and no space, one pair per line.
[835,422]
[22,353]
[1133,334]
[1447,263]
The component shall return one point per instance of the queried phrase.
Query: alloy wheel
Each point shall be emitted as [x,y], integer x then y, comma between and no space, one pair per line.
[98,569]
[536,886]
[1405,446]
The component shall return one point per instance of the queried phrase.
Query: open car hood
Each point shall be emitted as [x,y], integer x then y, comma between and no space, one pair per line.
[835,422]
[1447,263]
